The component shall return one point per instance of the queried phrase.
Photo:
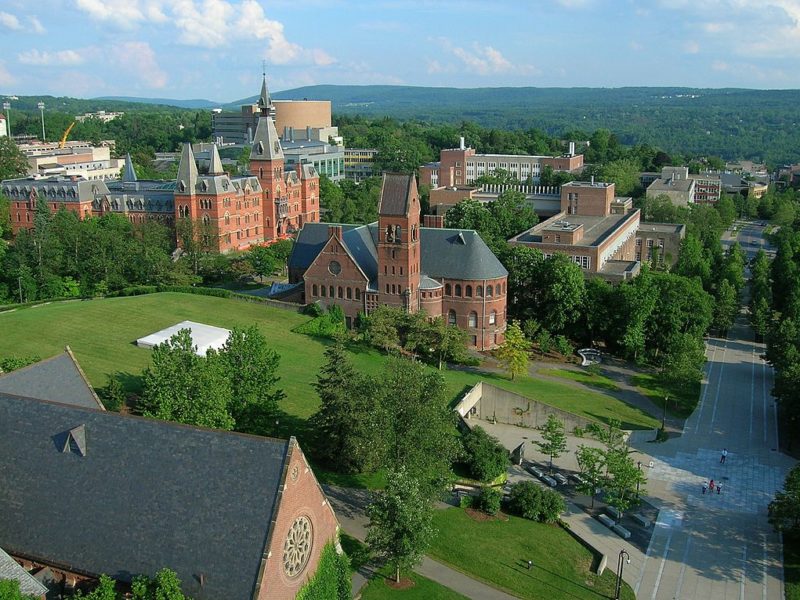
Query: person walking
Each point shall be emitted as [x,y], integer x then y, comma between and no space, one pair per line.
[719,489]
[711,486]
[724,456]
[705,486]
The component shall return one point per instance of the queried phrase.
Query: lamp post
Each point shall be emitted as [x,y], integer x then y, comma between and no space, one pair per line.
[638,479]
[620,565]
[664,416]
[7,108]
[41,110]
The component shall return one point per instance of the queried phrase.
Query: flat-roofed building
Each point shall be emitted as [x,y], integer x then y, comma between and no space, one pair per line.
[359,163]
[679,191]
[659,242]
[75,158]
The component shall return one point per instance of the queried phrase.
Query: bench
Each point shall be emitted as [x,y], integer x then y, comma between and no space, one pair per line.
[606,520]
[614,513]
[549,481]
[642,520]
[560,478]
[621,531]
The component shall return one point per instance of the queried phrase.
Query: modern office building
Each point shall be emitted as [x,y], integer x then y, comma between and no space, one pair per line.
[80,159]
[359,163]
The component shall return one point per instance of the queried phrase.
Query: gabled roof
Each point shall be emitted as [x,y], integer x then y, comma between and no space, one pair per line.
[266,142]
[28,585]
[187,172]
[128,173]
[396,192]
[57,379]
[146,495]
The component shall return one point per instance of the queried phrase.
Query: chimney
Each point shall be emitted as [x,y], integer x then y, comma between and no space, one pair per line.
[461,143]
[433,221]
[572,148]
[335,231]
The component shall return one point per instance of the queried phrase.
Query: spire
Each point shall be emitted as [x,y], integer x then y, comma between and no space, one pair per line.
[265,105]
[266,143]
[128,172]
[215,165]
[187,171]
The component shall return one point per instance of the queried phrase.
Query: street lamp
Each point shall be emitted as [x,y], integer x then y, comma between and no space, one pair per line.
[620,565]
[41,110]
[7,108]
[638,479]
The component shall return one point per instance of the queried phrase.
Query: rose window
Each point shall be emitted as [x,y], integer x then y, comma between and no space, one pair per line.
[297,547]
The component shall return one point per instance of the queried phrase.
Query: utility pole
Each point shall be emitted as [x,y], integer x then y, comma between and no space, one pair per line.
[41,110]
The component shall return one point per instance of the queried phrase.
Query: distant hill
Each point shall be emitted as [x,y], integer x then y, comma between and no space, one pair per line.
[77,106]
[195,103]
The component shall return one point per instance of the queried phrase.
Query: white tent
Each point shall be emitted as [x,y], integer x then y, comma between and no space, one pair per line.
[204,337]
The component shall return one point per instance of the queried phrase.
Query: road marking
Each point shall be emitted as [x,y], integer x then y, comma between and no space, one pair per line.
[661,567]
[705,390]
[644,563]
[774,412]
[744,572]
[752,395]
[719,388]
[683,567]
[764,397]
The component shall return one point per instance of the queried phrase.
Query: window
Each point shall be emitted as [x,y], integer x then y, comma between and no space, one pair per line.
[474,340]
[649,243]
[473,319]
[493,318]
[314,290]
[479,291]
[349,293]
[387,288]
[451,317]
[488,291]
[638,241]
[447,289]
[322,290]
[497,290]
[468,291]
[358,294]
[330,291]
[458,290]
[341,292]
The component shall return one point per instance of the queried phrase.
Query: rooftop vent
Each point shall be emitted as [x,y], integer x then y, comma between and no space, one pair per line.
[76,440]
[461,239]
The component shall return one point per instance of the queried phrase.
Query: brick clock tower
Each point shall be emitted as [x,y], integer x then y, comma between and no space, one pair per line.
[398,242]
[266,163]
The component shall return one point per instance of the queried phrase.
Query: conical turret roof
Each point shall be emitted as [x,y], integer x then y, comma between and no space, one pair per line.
[264,101]
[187,171]
[215,166]
[128,172]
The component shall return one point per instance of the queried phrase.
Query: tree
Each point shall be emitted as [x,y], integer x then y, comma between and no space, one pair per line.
[726,307]
[531,501]
[347,424]
[9,588]
[591,462]
[485,456]
[760,317]
[623,481]
[624,174]
[560,288]
[13,162]
[184,387]
[513,353]
[164,586]
[381,327]
[400,522]
[784,510]
[554,440]
[251,367]
[114,396]
[105,590]
[489,500]
[262,260]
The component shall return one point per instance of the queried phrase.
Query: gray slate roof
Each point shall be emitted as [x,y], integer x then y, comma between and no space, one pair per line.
[28,585]
[187,171]
[128,172]
[266,143]
[451,253]
[395,191]
[147,494]
[58,379]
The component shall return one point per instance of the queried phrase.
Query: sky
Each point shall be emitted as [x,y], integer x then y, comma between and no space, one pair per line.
[214,49]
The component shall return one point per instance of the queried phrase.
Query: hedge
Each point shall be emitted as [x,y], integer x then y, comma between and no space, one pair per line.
[332,579]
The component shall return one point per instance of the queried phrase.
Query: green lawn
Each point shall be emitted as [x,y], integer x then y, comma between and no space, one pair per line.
[584,377]
[497,552]
[424,589]
[682,401]
[102,333]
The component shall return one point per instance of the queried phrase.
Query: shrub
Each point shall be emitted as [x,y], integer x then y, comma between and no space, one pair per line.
[486,457]
[12,363]
[563,345]
[329,325]
[544,340]
[313,310]
[530,501]
[489,500]
[331,581]
[466,501]
[113,394]
[578,431]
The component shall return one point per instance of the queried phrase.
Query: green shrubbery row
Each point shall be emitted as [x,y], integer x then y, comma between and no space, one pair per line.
[331,580]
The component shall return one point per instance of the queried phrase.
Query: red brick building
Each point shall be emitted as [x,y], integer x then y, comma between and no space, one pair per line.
[397,262]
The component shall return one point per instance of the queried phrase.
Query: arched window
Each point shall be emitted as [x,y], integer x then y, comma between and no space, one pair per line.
[387,288]
[341,292]
[493,317]
[206,220]
[447,289]
[488,291]
[397,234]
[468,291]
[479,291]
[322,291]
[473,319]
[349,293]
[497,290]
[458,290]
[227,218]
[330,289]
[358,294]
[451,317]
[314,290]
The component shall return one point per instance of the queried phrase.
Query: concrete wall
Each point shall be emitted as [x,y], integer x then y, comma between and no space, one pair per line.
[513,409]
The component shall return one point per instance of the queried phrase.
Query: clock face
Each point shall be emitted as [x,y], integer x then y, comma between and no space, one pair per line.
[334,267]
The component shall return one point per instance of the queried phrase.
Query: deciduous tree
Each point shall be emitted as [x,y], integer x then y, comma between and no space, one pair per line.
[554,440]
[513,353]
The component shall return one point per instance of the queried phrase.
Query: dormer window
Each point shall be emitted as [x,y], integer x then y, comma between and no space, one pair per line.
[182,185]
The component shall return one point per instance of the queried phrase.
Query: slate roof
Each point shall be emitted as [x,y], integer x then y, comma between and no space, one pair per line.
[147,494]
[28,585]
[266,143]
[128,172]
[395,192]
[57,379]
[450,253]
[187,171]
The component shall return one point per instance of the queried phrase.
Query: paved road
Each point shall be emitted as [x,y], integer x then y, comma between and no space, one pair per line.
[719,546]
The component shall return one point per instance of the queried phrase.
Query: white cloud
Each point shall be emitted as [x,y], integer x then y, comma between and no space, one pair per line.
[9,21]
[44,58]
[36,25]
[6,78]
[719,65]
[691,47]
[480,59]
[125,13]
[139,59]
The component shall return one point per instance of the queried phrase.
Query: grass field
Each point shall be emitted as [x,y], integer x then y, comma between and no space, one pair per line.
[102,334]
[497,552]
[584,377]
[423,589]
[791,565]
[682,401]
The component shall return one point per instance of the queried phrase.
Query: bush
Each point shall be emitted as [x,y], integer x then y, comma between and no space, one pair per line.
[489,500]
[331,580]
[329,325]
[544,340]
[563,346]
[466,501]
[113,395]
[486,458]
[313,310]
[530,501]
[12,363]
[578,431]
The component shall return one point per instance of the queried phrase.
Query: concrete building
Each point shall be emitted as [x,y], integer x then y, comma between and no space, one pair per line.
[594,228]
[327,159]
[679,191]
[359,163]
[659,241]
[3,126]
[545,200]
[705,187]
[462,166]
[100,115]
[76,158]
[85,492]
[445,272]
